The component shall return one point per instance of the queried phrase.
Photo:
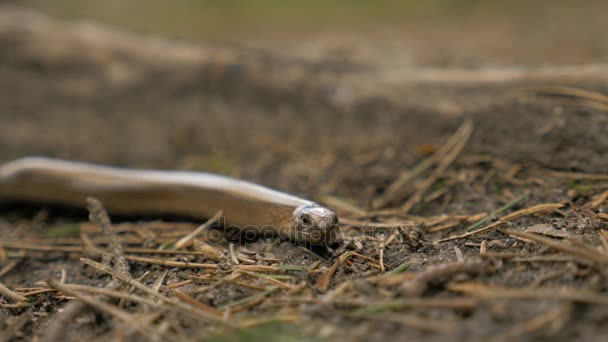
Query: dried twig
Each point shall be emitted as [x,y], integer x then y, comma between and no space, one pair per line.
[396,189]
[464,133]
[248,300]
[8,267]
[343,205]
[497,212]
[186,298]
[108,309]
[507,218]
[5,291]
[586,253]
[439,303]
[99,216]
[186,239]
[78,249]
[597,201]
[415,321]
[130,281]
[553,319]
[573,92]
[496,292]
[574,175]
[441,273]
[323,280]
[112,293]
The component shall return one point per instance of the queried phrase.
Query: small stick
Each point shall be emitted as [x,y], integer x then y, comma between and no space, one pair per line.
[186,239]
[5,291]
[324,279]
[415,321]
[233,257]
[130,281]
[575,175]
[8,267]
[246,300]
[106,308]
[464,133]
[557,314]
[99,216]
[571,92]
[395,190]
[597,201]
[440,273]
[438,303]
[112,293]
[509,217]
[170,263]
[343,205]
[496,292]
[78,249]
[604,239]
[497,212]
[586,252]
[281,284]
[186,298]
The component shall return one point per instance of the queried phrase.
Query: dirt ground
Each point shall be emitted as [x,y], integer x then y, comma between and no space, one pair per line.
[509,144]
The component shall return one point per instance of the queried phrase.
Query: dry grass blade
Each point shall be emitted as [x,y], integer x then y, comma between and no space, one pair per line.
[343,205]
[415,321]
[574,175]
[496,292]
[441,272]
[186,239]
[577,93]
[8,267]
[368,225]
[171,263]
[281,284]
[251,299]
[395,191]
[597,201]
[111,310]
[497,212]
[603,235]
[112,293]
[6,292]
[259,268]
[464,133]
[78,249]
[324,280]
[453,221]
[186,298]
[130,281]
[437,303]
[586,252]
[507,218]
[553,319]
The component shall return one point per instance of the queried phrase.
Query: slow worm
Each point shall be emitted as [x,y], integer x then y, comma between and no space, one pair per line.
[248,206]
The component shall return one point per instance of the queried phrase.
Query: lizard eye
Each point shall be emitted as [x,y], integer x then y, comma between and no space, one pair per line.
[305,219]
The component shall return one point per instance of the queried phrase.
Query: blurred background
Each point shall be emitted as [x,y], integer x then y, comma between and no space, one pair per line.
[434,32]
[284,92]
[336,101]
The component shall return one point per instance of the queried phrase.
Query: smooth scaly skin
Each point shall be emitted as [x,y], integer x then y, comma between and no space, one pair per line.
[126,191]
